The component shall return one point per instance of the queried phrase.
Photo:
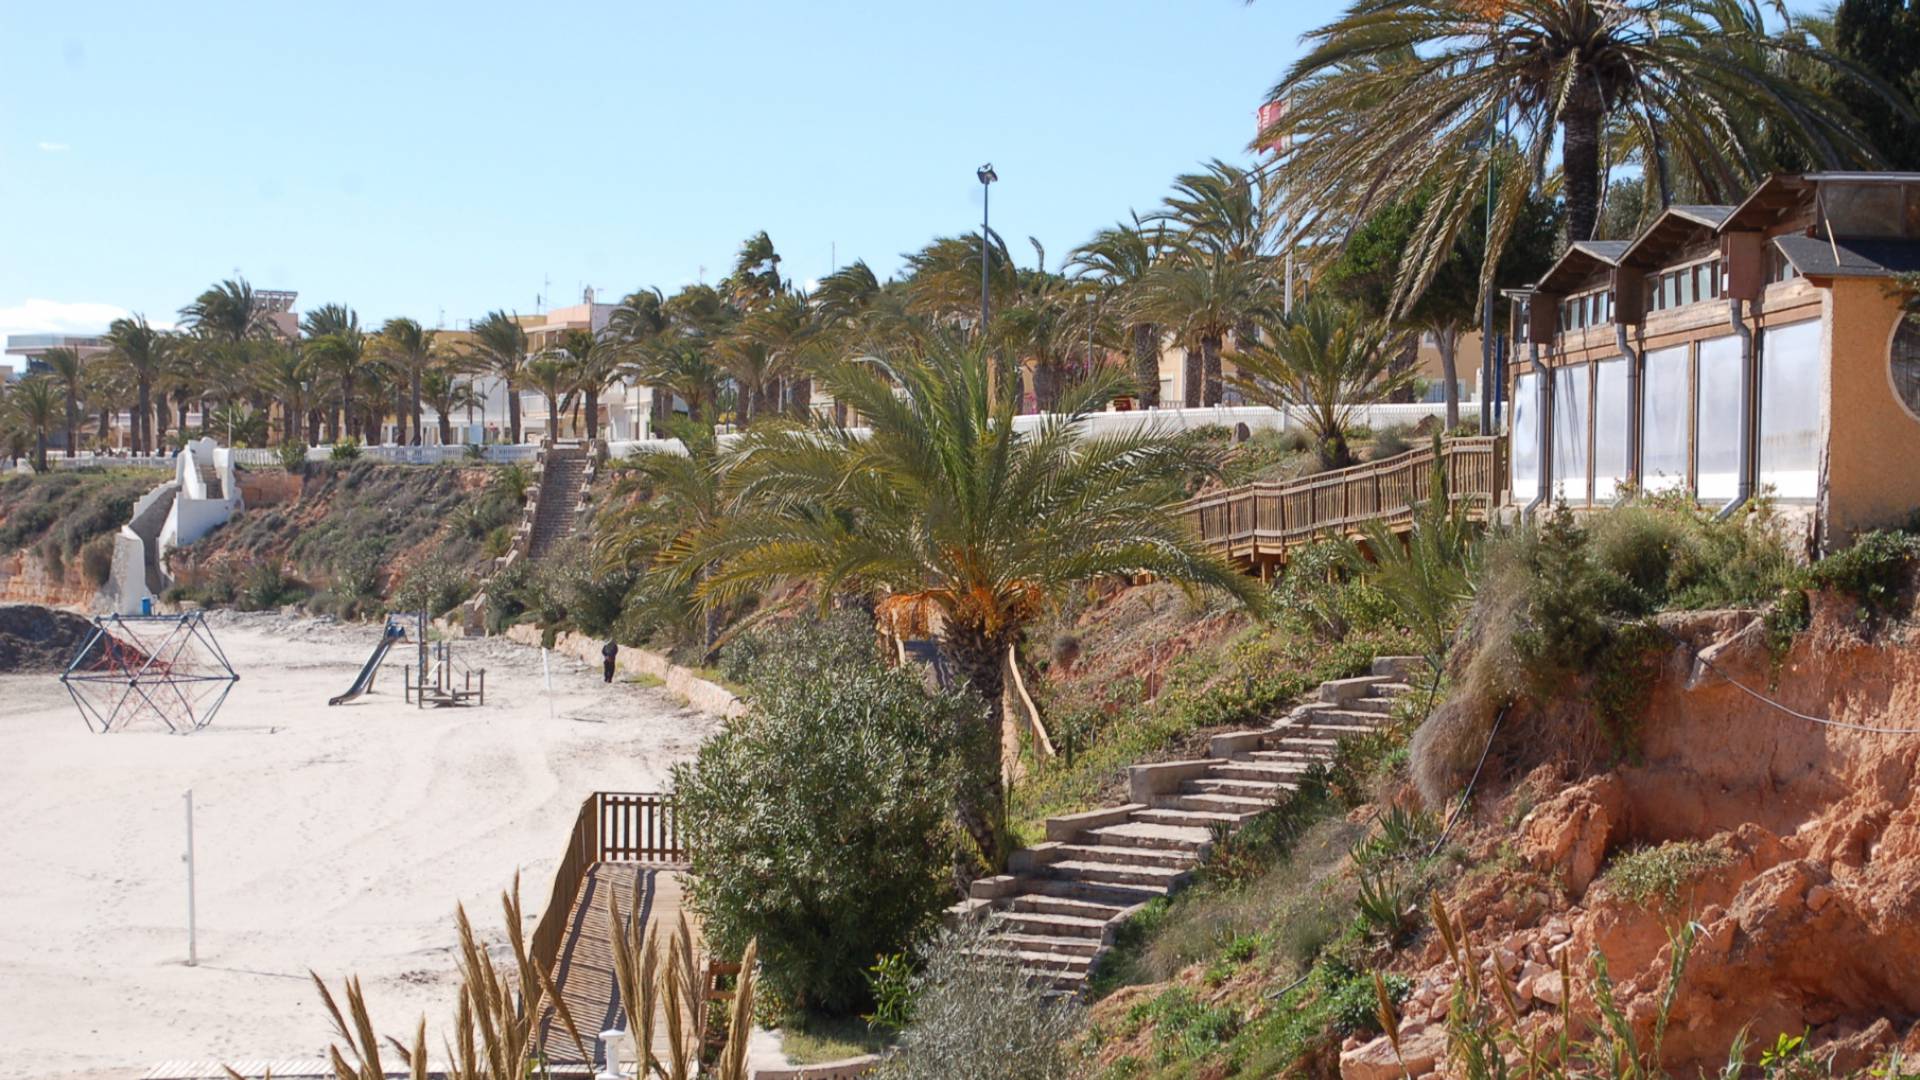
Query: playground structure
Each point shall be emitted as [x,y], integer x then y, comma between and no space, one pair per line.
[391,631]
[149,670]
[434,683]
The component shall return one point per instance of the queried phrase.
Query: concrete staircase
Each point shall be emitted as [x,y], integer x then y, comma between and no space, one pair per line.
[1056,912]
[565,473]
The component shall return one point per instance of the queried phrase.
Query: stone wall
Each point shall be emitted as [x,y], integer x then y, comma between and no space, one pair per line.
[683,683]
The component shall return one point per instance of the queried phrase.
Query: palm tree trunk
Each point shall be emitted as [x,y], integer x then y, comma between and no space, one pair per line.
[1190,370]
[803,398]
[1146,366]
[40,450]
[419,432]
[513,414]
[977,656]
[591,396]
[106,426]
[1580,156]
[1210,369]
[73,419]
[553,418]
[143,417]
[158,421]
[446,430]
[1447,340]
[346,403]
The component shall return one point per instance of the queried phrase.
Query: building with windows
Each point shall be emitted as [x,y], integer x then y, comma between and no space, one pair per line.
[32,347]
[1730,351]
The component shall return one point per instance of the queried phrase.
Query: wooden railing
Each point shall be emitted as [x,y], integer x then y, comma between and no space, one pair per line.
[1262,522]
[642,827]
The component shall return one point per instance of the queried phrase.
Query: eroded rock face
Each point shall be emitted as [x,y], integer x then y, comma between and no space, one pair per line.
[1812,921]
[1570,834]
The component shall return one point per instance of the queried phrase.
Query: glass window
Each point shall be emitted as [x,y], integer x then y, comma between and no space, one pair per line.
[1571,396]
[1790,394]
[1525,442]
[1610,422]
[1663,445]
[1721,395]
[1903,364]
[1671,286]
[1684,279]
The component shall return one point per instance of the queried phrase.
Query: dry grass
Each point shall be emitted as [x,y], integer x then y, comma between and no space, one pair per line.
[497,1021]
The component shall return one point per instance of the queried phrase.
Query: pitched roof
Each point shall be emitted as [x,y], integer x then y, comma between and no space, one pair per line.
[1859,257]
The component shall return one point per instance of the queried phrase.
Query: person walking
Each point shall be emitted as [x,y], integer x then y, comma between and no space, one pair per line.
[607,653]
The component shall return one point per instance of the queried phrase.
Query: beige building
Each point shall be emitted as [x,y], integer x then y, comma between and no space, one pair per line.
[1729,351]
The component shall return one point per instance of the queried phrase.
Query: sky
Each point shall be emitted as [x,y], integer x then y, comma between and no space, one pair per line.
[442,160]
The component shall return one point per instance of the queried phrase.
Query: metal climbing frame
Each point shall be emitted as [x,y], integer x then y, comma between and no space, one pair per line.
[149,670]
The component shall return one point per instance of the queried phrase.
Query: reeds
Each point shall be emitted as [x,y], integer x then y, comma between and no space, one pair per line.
[501,1019]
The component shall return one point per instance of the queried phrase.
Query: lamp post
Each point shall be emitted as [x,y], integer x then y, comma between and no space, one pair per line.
[987,177]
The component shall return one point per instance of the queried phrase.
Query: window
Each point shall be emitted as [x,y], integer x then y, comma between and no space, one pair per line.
[1571,397]
[1790,392]
[1664,423]
[1610,422]
[1720,392]
[1904,365]
[1525,453]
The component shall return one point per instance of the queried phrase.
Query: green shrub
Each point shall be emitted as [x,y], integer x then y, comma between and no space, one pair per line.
[434,587]
[1873,571]
[1391,441]
[820,824]
[973,1019]
[293,455]
[96,559]
[1355,1000]
[1658,873]
[265,586]
[344,451]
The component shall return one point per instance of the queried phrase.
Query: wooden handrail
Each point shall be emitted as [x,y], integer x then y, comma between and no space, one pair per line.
[1266,518]
[612,826]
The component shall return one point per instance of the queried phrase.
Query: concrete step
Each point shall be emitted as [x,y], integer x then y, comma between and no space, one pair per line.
[1127,856]
[1113,894]
[1344,718]
[1335,691]
[1041,943]
[1219,804]
[1053,926]
[1103,873]
[1273,772]
[1063,907]
[1399,668]
[1381,705]
[1145,835]
[1254,789]
[1191,818]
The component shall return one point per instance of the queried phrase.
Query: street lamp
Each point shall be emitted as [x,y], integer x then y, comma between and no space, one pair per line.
[987,176]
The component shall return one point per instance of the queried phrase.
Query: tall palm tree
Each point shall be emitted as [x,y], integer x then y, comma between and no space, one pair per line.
[228,312]
[1326,361]
[786,332]
[682,368]
[65,369]
[443,389]
[1392,98]
[553,372]
[283,375]
[1118,260]
[755,280]
[140,351]
[409,347]
[499,348]
[632,329]
[337,348]
[35,402]
[1202,296]
[963,525]
[665,501]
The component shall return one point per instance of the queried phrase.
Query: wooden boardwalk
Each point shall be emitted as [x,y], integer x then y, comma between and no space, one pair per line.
[1260,525]
[584,975]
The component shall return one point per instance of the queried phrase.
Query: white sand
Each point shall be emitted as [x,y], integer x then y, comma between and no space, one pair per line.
[336,839]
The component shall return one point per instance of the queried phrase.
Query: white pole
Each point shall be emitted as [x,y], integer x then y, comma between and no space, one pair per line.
[547,672]
[193,943]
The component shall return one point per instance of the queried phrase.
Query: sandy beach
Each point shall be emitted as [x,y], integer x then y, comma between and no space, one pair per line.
[336,839]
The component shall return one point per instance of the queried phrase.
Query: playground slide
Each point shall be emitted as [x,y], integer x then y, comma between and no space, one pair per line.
[365,681]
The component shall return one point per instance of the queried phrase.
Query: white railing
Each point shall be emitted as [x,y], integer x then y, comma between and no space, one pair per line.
[89,460]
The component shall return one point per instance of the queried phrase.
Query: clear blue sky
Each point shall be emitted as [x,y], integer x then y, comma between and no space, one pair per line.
[419,159]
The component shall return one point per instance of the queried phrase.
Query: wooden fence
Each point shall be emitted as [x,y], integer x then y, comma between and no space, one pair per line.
[636,827]
[1262,523]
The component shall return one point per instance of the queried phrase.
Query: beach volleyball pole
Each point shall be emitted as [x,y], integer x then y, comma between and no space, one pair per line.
[193,944]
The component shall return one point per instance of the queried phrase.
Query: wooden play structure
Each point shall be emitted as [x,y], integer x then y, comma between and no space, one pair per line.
[431,680]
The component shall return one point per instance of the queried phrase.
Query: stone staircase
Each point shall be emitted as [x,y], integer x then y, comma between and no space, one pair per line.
[1056,912]
[210,477]
[565,472]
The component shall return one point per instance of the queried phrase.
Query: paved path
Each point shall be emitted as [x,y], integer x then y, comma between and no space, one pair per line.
[585,977]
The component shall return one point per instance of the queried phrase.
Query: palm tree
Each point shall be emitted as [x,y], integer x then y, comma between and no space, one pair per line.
[966,527]
[65,369]
[337,347]
[139,351]
[553,373]
[1326,361]
[632,329]
[755,280]
[409,347]
[443,389]
[35,403]
[683,368]
[1394,98]
[1202,296]
[228,312]
[283,375]
[1118,260]
[786,329]
[665,501]
[499,348]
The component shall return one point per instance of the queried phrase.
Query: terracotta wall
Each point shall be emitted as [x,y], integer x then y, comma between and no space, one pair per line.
[1873,443]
